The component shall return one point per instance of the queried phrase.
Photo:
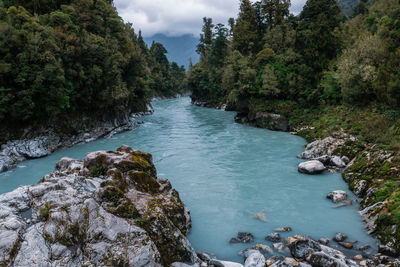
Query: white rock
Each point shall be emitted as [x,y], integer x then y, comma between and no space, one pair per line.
[337,196]
[231,264]
[311,167]
[338,162]
[255,260]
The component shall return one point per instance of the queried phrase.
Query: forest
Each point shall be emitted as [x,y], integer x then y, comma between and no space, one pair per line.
[318,62]
[61,57]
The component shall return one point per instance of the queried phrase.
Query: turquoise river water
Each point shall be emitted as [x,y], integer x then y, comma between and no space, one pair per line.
[224,172]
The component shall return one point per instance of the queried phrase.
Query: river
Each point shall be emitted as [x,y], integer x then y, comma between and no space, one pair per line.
[225,172]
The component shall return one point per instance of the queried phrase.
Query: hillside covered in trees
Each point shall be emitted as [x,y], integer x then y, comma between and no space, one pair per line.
[65,57]
[268,59]
[325,72]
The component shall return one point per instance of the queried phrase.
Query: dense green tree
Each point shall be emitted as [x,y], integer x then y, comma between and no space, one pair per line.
[60,57]
[315,58]
[205,38]
[275,11]
[245,33]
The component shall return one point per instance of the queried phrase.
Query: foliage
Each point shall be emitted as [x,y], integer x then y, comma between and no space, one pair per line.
[62,57]
[312,59]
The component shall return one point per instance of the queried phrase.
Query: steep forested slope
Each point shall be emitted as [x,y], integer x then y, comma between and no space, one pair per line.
[59,58]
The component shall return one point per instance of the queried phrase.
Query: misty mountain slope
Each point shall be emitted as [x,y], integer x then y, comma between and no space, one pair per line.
[180,48]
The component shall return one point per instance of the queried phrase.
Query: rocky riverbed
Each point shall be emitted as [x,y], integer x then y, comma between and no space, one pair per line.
[111,209]
[361,165]
[37,143]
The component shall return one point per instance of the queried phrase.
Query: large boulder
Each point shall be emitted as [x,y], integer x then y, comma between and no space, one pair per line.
[271,121]
[311,167]
[109,210]
[335,151]
[337,196]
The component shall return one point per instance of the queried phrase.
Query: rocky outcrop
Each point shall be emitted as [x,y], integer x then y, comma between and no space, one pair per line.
[335,151]
[311,167]
[37,143]
[271,121]
[370,171]
[108,210]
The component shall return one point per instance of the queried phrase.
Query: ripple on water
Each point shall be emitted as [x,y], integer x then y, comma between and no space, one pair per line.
[224,172]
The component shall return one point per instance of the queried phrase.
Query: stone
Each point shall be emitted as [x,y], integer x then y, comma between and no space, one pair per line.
[278,246]
[321,258]
[311,167]
[324,241]
[360,188]
[281,263]
[339,237]
[283,229]
[337,162]
[345,159]
[271,121]
[231,264]
[255,260]
[301,248]
[387,250]
[273,237]
[204,256]
[242,237]
[347,245]
[291,262]
[181,264]
[216,263]
[371,213]
[337,196]
[78,219]
[358,258]
[261,248]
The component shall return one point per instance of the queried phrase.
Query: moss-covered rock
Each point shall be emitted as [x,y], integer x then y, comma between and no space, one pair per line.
[109,210]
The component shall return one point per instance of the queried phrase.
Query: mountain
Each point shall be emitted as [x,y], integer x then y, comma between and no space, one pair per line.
[180,48]
[347,6]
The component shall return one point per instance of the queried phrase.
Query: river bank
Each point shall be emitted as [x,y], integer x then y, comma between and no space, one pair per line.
[365,138]
[225,188]
[41,141]
[112,209]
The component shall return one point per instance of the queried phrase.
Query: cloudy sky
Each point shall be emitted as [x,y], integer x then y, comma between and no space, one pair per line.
[177,17]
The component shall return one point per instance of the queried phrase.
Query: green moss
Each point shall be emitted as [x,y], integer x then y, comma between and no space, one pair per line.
[97,170]
[111,194]
[44,211]
[116,202]
[139,222]
[144,182]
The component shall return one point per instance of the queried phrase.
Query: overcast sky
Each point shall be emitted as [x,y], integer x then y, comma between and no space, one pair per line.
[177,17]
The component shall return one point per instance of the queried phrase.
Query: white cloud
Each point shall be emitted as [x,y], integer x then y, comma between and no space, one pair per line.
[177,17]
